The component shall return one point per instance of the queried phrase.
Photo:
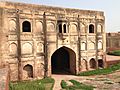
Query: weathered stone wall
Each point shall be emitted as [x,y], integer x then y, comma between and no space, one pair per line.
[82,35]
[4,79]
[113,41]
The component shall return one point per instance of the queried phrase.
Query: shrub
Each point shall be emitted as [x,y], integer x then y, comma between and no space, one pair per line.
[63,84]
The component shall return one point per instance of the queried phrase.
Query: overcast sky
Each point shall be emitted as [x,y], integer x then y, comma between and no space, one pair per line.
[111,8]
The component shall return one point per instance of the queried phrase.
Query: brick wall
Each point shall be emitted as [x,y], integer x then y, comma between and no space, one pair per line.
[4,79]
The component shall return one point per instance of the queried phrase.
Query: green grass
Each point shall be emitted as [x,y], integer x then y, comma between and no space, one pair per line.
[63,84]
[76,85]
[33,85]
[115,53]
[101,71]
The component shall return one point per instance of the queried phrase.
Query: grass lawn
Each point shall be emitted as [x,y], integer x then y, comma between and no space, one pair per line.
[115,53]
[43,84]
[76,86]
[101,71]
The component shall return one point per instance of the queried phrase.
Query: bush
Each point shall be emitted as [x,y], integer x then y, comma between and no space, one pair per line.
[63,84]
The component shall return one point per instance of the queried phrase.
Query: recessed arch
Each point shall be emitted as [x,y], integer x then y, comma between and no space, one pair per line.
[39,26]
[83,65]
[73,28]
[50,26]
[91,28]
[91,45]
[99,28]
[28,71]
[27,48]
[40,47]
[13,48]
[12,25]
[63,60]
[26,26]
[92,63]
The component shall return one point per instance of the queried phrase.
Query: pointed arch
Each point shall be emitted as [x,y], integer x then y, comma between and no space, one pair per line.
[26,26]
[28,71]
[92,63]
[63,60]
[39,26]
[73,28]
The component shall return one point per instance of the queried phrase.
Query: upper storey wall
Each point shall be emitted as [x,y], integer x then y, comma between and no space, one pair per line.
[53,10]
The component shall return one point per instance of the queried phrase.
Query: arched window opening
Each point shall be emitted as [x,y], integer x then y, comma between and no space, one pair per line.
[26,26]
[60,28]
[64,26]
[91,28]
[28,71]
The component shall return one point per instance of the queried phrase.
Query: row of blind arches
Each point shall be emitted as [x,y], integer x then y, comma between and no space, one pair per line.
[26,27]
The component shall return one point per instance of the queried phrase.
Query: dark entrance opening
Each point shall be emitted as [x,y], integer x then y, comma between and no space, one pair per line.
[100,63]
[63,61]
[60,61]
[92,63]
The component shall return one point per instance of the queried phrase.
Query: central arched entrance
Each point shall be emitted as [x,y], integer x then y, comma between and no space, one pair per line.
[63,61]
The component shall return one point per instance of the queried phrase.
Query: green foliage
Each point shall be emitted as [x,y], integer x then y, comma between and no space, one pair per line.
[115,53]
[63,84]
[31,85]
[76,85]
[101,71]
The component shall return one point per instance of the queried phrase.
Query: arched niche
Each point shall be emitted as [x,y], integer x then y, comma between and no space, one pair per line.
[13,48]
[39,26]
[73,28]
[50,27]
[27,48]
[99,28]
[91,45]
[92,63]
[28,71]
[12,25]
[40,47]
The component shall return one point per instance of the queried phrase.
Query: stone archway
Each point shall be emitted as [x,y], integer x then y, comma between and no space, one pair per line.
[63,61]
[28,71]
[92,63]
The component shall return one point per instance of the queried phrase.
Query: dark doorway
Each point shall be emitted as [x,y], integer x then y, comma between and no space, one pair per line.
[29,69]
[61,61]
[100,63]
[92,63]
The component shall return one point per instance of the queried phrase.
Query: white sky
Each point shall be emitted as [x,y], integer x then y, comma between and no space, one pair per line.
[111,8]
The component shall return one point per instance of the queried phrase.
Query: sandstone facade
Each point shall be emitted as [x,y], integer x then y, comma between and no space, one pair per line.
[112,41]
[38,40]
